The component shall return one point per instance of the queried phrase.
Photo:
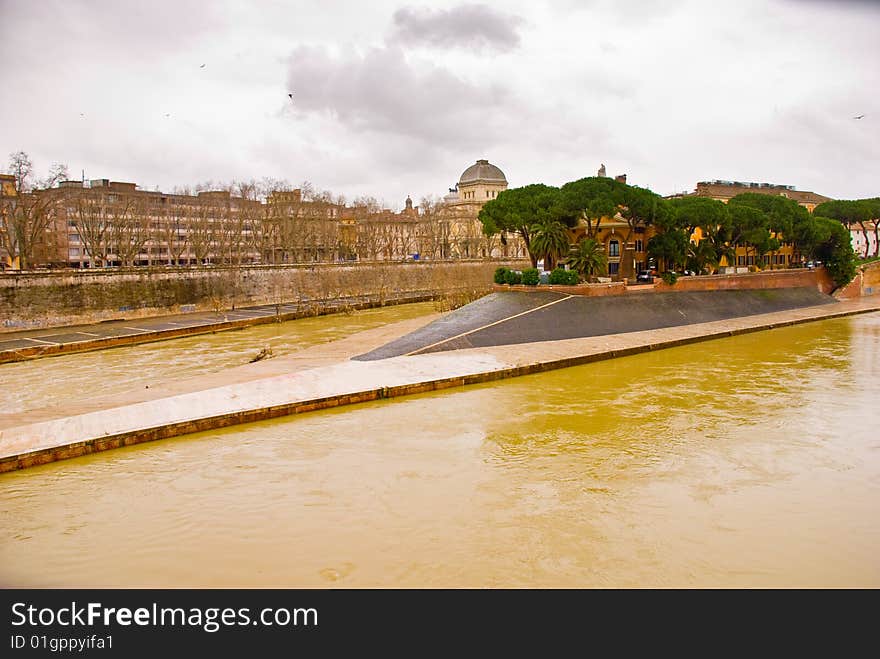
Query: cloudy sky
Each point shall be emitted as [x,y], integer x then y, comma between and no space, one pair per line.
[398,97]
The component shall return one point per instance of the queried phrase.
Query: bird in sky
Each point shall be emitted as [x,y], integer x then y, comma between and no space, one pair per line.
[202,66]
[859,117]
[167,115]
[290,96]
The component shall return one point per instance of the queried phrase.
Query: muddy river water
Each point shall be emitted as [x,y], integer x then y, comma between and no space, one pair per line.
[747,461]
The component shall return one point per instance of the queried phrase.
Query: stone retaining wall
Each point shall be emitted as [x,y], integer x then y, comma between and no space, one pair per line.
[47,299]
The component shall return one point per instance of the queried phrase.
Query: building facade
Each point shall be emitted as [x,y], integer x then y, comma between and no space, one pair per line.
[458,216]
[104,223]
[726,190]
[113,223]
[786,256]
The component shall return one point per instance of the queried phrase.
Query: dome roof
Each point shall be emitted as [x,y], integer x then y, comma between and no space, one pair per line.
[482,172]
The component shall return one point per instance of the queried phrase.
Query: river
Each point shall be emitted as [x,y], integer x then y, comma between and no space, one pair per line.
[749,461]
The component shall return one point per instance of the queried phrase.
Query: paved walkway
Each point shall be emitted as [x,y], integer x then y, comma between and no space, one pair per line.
[325,376]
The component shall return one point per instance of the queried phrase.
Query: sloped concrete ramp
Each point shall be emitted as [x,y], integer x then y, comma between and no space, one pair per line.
[510,318]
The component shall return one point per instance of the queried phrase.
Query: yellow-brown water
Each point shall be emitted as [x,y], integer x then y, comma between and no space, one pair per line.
[748,461]
[49,382]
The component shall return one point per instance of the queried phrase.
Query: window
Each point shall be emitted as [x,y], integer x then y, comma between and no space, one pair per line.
[74,253]
[640,246]
[741,260]
[614,248]
[613,268]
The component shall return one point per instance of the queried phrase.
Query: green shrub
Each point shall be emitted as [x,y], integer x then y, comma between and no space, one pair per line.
[669,277]
[512,277]
[501,275]
[563,277]
[530,277]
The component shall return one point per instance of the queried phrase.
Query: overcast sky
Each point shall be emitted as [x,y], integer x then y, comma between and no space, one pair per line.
[396,98]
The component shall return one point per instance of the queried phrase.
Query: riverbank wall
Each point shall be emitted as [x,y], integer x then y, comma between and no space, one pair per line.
[59,298]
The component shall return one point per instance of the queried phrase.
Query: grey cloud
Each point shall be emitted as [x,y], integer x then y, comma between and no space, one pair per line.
[105,29]
[381,91]
[840,4]
[466,26]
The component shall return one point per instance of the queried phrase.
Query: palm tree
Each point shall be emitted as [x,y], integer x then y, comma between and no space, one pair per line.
[549,240]
[588,257]
[702,256]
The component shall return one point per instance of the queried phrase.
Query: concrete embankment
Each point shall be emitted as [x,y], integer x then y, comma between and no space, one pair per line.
[33,344]
[509,318]
[332,378]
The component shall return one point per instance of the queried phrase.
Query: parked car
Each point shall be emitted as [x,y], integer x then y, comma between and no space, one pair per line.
[646,276]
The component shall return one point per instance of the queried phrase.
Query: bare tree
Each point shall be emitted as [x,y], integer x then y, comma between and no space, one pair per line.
[24,219]
[321,214]
[21,167]
[130,227]
[57,173]
[201,230]
[27,215]
[433,228]
[248,219]
[369,238]
[92,221]
[175,234]
[223,240]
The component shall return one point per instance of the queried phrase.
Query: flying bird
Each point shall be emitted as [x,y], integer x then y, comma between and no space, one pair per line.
[859,117]
[290,96]
[202,66]
[167,115]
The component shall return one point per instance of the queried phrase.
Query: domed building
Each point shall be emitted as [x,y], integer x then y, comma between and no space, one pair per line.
[479,183]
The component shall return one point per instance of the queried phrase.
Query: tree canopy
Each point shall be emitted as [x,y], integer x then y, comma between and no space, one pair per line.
[519,209]
[694,232]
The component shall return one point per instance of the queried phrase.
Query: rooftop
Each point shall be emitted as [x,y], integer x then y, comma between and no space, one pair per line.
[482,172]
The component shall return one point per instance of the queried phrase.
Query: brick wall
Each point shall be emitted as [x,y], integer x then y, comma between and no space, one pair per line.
[866,282]
[796,278]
